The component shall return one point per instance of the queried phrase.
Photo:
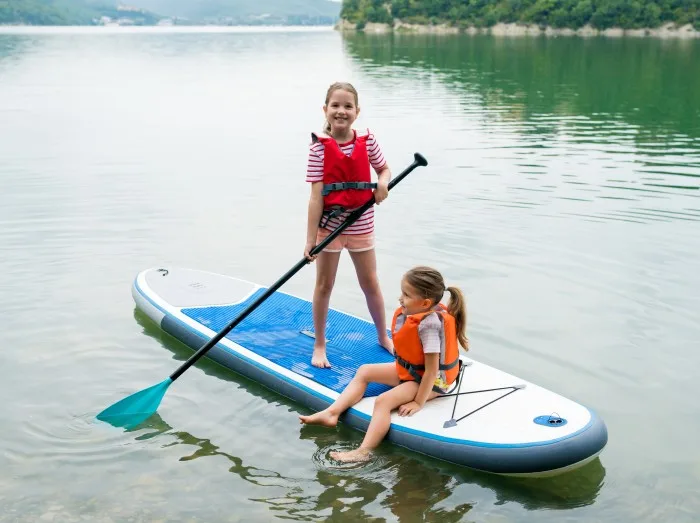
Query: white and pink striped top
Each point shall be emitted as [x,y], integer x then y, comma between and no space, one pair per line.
[314,173]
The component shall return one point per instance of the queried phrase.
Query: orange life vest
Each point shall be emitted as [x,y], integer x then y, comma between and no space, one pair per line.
[408,349]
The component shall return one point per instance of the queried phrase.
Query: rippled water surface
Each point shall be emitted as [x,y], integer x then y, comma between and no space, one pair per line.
[562,195]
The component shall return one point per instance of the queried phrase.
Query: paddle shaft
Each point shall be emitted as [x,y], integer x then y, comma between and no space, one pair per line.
[419,160]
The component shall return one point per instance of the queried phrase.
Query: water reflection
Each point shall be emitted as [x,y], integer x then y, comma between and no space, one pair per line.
[518,78]
[13,48]
[404,486]
[289,503]
[564,127]
[412,489]
[409,486]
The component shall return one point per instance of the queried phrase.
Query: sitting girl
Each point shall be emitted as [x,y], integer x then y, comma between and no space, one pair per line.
[426,336]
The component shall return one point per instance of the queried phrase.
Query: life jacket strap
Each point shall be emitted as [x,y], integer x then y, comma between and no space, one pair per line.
[408,366]
[448,366]
[342,186]
[327,214]
[412,370]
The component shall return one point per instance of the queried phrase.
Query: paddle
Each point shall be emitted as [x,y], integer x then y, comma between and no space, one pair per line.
[137,407]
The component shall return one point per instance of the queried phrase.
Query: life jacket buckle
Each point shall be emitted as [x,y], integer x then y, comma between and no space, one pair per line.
[344,186]
[333,212]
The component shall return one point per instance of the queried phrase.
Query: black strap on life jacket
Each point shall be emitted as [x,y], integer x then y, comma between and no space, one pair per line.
[333,212]
[413,371]
[410,366]
[342,186]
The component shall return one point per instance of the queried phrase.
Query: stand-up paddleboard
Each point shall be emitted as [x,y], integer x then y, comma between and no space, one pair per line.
[491,421]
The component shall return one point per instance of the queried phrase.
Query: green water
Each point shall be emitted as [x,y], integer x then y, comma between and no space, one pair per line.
[562,195]
[649,83]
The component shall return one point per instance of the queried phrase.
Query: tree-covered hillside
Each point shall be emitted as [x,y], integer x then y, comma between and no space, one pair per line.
[67,12]
[247,11]
[600,14]
[86,12]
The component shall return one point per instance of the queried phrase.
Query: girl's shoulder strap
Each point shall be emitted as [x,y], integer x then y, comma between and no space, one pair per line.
[319,138]
[364,137]
[441,310]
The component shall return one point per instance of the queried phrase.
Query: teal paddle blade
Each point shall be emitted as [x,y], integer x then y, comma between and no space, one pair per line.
[136,408]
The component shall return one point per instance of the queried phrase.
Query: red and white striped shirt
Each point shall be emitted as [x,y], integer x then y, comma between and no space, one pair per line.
[314,173]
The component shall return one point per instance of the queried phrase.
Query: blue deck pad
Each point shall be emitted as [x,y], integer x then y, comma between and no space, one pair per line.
[274,331]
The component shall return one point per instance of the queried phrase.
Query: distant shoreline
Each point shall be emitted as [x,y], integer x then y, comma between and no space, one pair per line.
[108,29]
[668,30]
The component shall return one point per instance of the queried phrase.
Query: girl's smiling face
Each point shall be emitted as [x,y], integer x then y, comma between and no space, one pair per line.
[411,301]
[341,111]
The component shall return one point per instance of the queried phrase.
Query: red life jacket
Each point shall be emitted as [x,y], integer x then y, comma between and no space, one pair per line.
[346,179]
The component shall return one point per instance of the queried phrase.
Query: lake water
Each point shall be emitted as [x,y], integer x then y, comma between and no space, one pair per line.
[562,195]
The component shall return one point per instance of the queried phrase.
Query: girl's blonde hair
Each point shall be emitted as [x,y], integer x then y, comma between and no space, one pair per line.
[429,284]
[339,86]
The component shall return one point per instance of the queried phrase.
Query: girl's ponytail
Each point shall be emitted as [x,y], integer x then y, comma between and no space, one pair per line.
[457,307]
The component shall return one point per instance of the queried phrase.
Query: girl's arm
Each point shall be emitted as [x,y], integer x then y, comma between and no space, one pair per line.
[315,211]
[383,179]
[432,366]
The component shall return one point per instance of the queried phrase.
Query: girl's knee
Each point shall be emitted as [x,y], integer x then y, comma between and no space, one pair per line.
[369,284]
[324,286]
[382,403]
[362,373]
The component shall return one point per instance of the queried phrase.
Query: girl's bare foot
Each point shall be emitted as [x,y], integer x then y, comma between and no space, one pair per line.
[325,418]
[352,456]
[319,358]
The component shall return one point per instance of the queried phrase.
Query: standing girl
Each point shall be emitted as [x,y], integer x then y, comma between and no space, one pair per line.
[426,338]
[339,173]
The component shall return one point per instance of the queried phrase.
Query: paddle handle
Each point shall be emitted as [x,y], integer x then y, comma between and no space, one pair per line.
[418,161]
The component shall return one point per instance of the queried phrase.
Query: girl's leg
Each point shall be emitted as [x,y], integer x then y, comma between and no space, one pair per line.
[375,373]
[326,269]
[366,268]
[381,420]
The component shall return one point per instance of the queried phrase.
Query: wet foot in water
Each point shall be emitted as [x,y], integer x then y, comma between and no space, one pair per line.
[323,417]
[352,456]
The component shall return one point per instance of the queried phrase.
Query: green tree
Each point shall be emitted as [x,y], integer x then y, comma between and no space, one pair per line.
[557,13]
